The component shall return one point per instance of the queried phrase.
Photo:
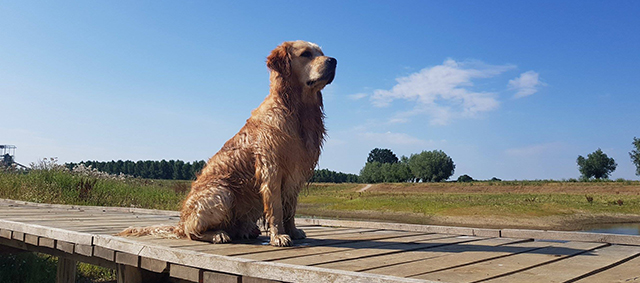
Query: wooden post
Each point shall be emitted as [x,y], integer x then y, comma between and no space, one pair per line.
[132,274]
[66,271]
[128,274]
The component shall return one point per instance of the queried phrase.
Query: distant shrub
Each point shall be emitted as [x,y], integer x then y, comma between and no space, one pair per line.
[465,178]
[494,179]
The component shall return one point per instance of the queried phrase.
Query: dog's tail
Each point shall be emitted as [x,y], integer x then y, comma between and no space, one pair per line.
[161,231]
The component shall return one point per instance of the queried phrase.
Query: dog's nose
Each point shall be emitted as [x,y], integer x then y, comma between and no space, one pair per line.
[332,61]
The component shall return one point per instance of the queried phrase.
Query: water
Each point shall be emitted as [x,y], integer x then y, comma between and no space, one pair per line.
[620,228]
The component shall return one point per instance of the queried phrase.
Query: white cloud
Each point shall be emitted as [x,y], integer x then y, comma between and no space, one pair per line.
[357,96]
[526,84]
[444,91]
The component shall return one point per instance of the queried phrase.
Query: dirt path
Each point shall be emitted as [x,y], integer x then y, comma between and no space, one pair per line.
[364,188]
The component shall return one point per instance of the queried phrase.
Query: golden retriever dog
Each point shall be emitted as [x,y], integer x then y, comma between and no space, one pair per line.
[260,171]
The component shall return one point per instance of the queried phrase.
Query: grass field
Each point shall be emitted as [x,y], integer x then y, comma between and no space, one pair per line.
[518,204]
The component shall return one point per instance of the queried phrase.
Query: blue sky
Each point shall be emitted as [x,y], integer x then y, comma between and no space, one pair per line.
[511,89]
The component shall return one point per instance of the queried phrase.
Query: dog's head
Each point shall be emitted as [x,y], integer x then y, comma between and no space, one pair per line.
[303,62]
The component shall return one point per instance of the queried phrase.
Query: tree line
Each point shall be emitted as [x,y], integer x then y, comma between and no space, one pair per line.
[148,169]
[382,166]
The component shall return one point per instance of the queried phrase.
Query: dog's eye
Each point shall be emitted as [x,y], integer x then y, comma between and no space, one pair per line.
[306,54]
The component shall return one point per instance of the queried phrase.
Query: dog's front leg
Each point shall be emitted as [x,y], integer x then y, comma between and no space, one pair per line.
[271,191]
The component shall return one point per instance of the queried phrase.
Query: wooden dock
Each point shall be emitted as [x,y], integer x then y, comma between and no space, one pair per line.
[334,251]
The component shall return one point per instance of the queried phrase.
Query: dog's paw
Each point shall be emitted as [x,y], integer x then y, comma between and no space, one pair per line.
[280,240]
[220,237]
[250,234]
[297,234]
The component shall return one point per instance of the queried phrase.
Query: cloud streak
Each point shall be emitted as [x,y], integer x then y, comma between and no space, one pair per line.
[444,91]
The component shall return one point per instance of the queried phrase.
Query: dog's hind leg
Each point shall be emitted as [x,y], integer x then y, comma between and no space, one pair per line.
[216,237]
[206,213]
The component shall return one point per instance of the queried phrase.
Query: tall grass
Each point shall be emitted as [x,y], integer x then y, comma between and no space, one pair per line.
[60,186]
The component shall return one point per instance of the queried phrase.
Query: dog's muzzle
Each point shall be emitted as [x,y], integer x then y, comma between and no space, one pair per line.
[331,69]
[329,72]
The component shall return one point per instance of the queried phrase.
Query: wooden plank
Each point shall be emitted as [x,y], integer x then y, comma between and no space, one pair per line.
[371,250]
[248,279]
[84,249]
[57,253]
[85,216]
[358,240]
[31,239]
[505,265]
[393,261]
[18,203]
[574,267]
[217,277]
[233,265]
[625,272]
[65,246]
[185,272]
[105,253]
[17,236]
[262,243]
[154,265]
[331,240]
[447,257]
[66,271]
[4,233]
[402,227]
[49,232]
[573,236]
[46,242]
[128,259]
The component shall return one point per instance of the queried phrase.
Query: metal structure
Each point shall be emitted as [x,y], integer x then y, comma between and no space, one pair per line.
[8,153]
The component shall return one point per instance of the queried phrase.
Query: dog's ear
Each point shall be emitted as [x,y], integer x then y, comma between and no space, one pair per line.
[279,60]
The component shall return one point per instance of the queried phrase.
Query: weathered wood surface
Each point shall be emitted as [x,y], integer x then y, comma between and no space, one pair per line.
[334,251]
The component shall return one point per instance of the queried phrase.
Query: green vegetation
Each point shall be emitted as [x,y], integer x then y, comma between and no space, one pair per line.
[56,185]
[635,154]
[39,268]
[597,165]
[465,178]
[376,172]
[328,176]
[428,166]
[431,166]
[382,155]
[149,169]
[450,199]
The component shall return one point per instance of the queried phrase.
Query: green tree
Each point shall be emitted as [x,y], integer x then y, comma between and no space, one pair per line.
[382,155]
[177,170]
[597,165]
[431,166]
[635,154]
[372,173]
[465,178]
